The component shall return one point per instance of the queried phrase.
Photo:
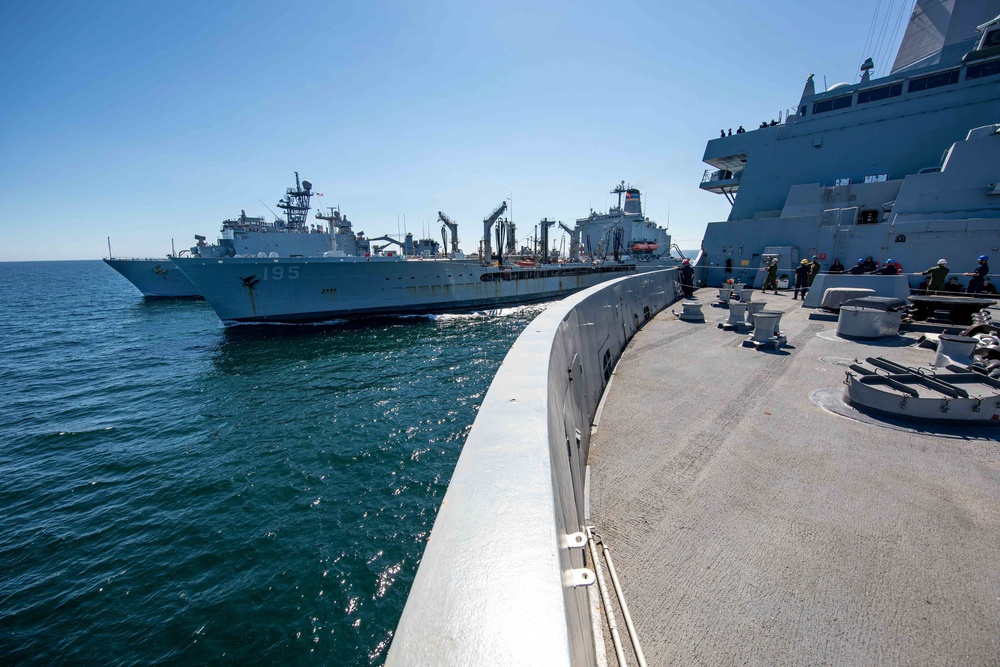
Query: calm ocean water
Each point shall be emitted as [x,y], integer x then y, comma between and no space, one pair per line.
[176,492]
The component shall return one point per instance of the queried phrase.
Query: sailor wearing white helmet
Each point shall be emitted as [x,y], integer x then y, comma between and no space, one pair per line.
[936,275]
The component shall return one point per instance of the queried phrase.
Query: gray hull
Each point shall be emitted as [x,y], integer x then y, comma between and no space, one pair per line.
[324,288]
[155,278]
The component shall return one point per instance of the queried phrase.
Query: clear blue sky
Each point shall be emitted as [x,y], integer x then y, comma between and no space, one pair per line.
[146,121]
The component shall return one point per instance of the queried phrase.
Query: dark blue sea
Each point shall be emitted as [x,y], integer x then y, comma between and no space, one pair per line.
[177,492]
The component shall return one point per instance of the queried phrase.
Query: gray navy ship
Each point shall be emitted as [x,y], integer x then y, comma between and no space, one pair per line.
[344,286]
[905,167]
[244,236]
[623,225]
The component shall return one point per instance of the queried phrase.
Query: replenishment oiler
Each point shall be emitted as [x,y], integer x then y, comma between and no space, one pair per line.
[341,285]
[240,237]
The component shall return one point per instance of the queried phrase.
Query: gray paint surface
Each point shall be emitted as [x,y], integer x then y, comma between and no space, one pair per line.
[892,286]
[318,288]
[905,166]
[155,278]
[491,588]
[753,525]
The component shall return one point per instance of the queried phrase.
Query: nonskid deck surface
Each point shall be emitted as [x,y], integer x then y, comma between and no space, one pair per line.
[752,524]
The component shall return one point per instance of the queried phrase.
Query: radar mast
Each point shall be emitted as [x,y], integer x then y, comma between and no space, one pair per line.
[295,204]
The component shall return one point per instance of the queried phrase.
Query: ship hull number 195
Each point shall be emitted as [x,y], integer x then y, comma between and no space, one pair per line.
[281,272]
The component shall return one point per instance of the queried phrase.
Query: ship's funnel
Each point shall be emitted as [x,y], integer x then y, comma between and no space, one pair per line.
[633,203]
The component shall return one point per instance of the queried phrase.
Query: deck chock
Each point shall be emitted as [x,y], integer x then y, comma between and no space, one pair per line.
[737,317]
[766,331]
[691,313]
[955,349]
[732,293]
[754,307]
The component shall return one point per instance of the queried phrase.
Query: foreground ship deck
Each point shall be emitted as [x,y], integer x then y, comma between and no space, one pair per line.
[754,519]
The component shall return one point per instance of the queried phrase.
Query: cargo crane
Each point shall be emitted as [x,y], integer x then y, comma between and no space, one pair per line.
[406,246]
[545,224]
[449,224]
[574,242]
[511,237]
[487,226]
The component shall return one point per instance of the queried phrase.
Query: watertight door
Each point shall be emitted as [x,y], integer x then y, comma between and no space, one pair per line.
[788,259]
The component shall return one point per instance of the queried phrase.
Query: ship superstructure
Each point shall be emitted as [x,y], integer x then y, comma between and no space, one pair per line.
[345,240]
[623,229]
[901,167]
[290,236]
[242,236]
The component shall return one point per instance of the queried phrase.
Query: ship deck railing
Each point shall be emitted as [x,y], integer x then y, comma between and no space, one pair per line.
[505,578]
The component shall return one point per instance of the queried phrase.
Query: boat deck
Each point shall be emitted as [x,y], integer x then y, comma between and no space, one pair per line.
[755,520]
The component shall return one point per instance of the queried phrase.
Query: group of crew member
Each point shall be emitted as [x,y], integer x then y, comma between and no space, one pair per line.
[724,133]
[805,274]
[890,268]
[979,281]
[935,281]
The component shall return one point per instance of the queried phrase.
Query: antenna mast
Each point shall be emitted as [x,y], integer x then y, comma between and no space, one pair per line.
[295,203]
[619,190]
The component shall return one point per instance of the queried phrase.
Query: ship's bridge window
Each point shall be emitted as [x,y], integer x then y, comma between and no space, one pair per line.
[982,69]
[832,104]
[881,93]
[933,81]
